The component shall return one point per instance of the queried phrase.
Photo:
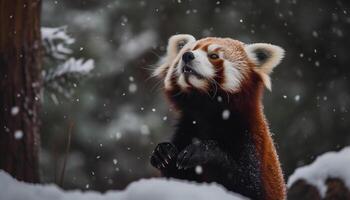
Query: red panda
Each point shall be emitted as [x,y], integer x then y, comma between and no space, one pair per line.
[216,85]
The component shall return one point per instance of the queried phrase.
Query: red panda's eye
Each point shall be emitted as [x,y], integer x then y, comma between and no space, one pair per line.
[213,56]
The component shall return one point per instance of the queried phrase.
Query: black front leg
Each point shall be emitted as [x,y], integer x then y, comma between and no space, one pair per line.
[164,156]
[241,175]
[200,153]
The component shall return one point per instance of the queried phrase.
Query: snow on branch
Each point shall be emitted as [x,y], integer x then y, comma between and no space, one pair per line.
[56,42]
[146,189]
[71,66]
[61,71]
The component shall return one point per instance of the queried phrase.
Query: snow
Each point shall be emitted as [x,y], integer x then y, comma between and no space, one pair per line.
[297,98]
[60,68]
[328,165]
[118,135]
[18,134]
[226,114]
[73,65]
[144,129]
[219,99]
[132,88]
[14,110]
[145,189]
[198,169]
[56,41]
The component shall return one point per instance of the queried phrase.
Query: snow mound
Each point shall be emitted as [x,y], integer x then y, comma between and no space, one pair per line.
[328,165]
[146,189]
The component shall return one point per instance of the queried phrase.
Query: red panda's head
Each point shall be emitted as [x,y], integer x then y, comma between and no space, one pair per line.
[192,64]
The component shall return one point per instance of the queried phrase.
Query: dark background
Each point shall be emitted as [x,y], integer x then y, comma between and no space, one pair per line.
[116,127]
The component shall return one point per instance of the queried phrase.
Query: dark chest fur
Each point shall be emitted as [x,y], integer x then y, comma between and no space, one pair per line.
[213,118]
[206,118]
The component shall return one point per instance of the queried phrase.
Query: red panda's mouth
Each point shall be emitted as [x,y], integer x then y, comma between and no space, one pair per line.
[188,70]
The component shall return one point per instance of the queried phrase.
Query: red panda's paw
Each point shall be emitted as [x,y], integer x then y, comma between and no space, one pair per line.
[163,155]
[197,154]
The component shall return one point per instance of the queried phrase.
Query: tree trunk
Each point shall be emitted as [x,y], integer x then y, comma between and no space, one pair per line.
[20,77]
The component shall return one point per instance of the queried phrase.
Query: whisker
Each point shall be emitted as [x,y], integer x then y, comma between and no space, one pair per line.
[177,94]
[150,69]
[154,53]
[215,84]
[156,85]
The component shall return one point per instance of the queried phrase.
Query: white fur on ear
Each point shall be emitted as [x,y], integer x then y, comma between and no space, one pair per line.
[265,57]
[175,44]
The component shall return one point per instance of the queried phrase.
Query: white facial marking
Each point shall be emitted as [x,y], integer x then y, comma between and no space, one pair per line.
[182,82]
[213,47]
[232,76]
[200,64]
[197,83]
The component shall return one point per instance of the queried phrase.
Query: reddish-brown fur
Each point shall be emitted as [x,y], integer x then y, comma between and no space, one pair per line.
[272,176]
[248,101]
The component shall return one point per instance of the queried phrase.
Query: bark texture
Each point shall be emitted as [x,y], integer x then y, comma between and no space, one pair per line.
[20,79]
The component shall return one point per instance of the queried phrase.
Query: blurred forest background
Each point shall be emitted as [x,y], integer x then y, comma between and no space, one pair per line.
[119,113]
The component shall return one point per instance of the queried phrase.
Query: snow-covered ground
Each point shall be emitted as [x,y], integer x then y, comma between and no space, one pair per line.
[328,165]
[146,189]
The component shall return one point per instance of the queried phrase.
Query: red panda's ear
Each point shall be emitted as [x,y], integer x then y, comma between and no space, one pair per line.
[175,44]
[265,57]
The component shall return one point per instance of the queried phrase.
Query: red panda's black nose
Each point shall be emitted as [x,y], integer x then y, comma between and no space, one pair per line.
[187,57]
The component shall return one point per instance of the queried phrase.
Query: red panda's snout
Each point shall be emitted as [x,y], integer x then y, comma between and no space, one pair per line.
[194,70]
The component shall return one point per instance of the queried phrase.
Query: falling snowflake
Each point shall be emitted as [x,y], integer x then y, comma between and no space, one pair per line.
[225,114]
[14,110]
[118,135]
[18,134]
[317,63]
[132,88]
[219,99]
[198,169]
[145,129]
